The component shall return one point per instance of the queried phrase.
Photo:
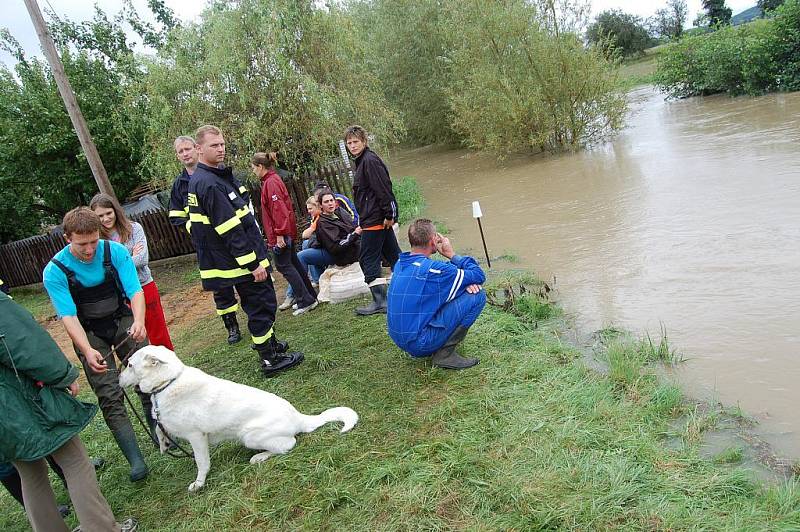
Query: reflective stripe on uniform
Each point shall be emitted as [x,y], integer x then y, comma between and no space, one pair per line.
[178,214]
[246,259]
[228,310]
[200,218]
[242,190]
[258,340]
[227,225]
[235,220]
[229,274]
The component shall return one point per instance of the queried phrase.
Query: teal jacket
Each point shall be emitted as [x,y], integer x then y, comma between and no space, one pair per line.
[38,413]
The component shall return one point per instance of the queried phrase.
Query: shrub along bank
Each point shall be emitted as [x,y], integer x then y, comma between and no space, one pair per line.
[529,439]
[754,58]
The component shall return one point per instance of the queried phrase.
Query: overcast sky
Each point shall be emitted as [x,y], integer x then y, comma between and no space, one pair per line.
[14,16]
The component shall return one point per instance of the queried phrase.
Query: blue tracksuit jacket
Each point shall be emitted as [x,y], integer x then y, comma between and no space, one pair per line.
[420,287]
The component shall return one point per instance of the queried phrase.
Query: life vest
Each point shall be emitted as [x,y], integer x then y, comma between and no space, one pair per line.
[98,305]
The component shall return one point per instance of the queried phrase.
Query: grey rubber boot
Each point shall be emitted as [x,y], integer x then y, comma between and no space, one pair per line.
[378,304]
[273,360]
[234,334]
[447,358]
[126,440]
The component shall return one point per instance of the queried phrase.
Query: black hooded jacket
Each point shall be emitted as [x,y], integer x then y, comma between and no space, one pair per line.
[372,190]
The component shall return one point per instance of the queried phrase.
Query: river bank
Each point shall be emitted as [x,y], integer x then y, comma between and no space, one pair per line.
[531,438]
[687,218]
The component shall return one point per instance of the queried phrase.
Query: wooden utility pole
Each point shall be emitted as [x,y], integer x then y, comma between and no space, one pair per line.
[50,52]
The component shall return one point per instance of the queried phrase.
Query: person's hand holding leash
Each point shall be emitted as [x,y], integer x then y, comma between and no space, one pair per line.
[388,223]
[95,360]
[260,274]
[358,230]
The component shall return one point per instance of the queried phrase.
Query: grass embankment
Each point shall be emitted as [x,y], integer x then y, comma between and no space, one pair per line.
[640,70]
[529,439]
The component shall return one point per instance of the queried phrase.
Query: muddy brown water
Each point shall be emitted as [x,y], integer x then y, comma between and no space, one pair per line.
[690,218]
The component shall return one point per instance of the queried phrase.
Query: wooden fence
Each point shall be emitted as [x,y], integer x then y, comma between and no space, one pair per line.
[22,262]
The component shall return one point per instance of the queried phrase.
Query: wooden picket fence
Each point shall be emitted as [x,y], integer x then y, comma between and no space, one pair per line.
[22,262]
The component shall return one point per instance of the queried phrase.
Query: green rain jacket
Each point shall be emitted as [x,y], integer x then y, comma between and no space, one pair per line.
[37,413]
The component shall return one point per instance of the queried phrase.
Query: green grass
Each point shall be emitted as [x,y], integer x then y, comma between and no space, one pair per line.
[640,70]
[410,201]
[731,455]
[34,299]
[530,439]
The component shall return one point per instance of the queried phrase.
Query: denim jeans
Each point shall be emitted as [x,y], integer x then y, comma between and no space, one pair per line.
[288,264]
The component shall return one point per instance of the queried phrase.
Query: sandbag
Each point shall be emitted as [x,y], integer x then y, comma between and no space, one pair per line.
[340,283]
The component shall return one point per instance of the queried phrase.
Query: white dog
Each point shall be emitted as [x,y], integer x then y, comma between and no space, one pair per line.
[205,410]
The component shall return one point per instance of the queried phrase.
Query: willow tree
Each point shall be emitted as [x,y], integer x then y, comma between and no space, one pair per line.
[407,48]
[522,80]
[275,75]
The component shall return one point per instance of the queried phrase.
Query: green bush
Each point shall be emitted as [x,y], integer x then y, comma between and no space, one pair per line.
[762,56]
[409,198]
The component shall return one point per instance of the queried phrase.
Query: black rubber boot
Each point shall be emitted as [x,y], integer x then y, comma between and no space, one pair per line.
[234,335]
[447,358]
[378,305]
[126,440]
[273,360]
[281,346]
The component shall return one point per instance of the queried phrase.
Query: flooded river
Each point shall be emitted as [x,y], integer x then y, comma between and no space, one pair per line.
[690,217]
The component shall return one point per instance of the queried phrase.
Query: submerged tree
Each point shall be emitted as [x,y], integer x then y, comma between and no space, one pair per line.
[406,48]
[520,81]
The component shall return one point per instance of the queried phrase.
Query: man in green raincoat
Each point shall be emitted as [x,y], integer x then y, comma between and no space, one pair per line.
[42,417]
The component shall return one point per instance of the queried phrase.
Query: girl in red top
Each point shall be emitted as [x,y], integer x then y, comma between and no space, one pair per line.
[280,225]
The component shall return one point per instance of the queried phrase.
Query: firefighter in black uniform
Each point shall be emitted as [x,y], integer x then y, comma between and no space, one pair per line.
[231,250]
[224,298]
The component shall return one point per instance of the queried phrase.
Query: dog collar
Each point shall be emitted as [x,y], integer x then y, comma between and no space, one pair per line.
[163,386]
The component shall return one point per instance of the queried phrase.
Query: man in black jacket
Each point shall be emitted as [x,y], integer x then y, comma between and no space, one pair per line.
[377,209]
[224,298]
[231,250]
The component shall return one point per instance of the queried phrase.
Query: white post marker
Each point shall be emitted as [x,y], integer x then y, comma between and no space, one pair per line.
[477,214]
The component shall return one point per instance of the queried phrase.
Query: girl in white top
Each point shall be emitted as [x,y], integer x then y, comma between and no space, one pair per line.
[115,226]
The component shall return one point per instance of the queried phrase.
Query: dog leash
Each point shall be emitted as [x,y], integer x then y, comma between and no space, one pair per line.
[153,437]
[114,348]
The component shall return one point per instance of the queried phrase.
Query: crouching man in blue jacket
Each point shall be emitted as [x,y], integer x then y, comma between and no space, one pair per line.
[432,304]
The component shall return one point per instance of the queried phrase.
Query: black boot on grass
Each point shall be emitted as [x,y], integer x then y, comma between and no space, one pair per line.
[234,335]
[447,358]
[274,360]
[378,305]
